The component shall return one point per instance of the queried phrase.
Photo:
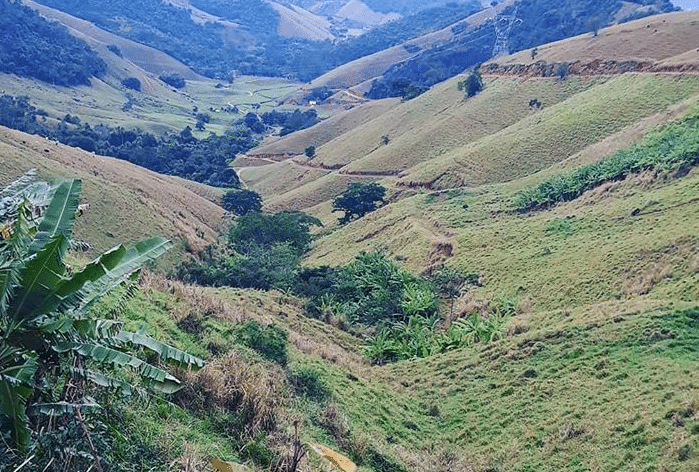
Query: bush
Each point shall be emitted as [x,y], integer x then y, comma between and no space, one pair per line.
[307,383]
[132,83]
[242,201]
[115,49]
[269,341]
[373,289]
[358,200]
[173,79]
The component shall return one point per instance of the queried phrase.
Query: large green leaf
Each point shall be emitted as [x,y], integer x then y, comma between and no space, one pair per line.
[66,295]
[61,408]
[12,406]
[152,376]
[40,277]
[132,260]
[98,378]
[15,374]
[59,216]
[166,353]
[11,258]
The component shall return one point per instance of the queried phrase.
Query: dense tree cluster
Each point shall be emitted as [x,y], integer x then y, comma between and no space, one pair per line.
[182,154]
[257,48]
[290,121]
[31,46]
[241,201]
[264,251]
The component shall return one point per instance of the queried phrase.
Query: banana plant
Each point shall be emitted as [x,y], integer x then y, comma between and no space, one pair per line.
[45,313]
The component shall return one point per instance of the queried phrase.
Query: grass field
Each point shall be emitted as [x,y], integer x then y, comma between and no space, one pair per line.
[127,203]
[555,133]
[656,38]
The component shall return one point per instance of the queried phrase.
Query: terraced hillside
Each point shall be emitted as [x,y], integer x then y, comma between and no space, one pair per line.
[519,124]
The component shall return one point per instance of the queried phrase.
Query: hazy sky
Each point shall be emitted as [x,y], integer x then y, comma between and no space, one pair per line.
[687,4]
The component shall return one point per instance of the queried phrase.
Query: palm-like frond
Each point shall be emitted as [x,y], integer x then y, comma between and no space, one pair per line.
[59,216]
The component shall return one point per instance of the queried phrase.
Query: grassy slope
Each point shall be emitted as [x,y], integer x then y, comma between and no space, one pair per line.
[655,38]
[127,203]
[325,131]
[555,133]
[372,66]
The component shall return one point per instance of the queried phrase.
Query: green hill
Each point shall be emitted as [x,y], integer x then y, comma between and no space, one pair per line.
[592,297]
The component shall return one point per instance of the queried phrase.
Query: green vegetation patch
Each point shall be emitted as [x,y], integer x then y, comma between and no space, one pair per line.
[673,148]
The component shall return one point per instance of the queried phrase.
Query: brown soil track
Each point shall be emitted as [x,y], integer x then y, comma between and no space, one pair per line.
[588,69]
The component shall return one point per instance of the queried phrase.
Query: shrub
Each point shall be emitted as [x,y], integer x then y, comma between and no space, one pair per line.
[115,49]
[132,83]
[173,79]
[242,201]
[269,341]
[373,288]
[307,383]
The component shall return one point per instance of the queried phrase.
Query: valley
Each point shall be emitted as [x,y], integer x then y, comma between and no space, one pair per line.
[521,296]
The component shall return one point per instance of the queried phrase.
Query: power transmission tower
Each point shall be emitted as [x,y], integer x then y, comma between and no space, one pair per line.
[503,26]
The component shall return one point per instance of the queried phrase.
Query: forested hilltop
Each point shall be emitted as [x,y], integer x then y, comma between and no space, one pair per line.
[254,48]
[30,46]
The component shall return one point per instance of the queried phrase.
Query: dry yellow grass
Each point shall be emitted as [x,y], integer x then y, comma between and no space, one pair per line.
[317,191]
[457,122]
[127,202]
[275,179]
[655,39]
[326,130]
[295,22]
[554,133]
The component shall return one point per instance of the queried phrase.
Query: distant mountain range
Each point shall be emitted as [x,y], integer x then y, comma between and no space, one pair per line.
[304,39]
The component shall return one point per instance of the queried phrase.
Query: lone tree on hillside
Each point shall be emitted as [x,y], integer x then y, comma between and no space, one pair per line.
[472,84]
[242,201]
[132,83]
[358,200]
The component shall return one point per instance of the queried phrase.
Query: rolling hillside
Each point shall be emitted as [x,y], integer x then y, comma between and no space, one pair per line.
[127,202]
[440,140]
[594,363]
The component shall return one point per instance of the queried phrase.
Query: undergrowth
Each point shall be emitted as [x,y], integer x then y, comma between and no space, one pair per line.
[673,148]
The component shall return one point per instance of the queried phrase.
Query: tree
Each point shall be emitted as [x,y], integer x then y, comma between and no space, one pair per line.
[173,79]
[358,200]
[132,83]
[242,201]
[450,282]
[562,70]
[291,227]
[310,151]
[473,84]
[46,326]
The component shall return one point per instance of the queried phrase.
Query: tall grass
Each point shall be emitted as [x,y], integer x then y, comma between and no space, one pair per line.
[674,147]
